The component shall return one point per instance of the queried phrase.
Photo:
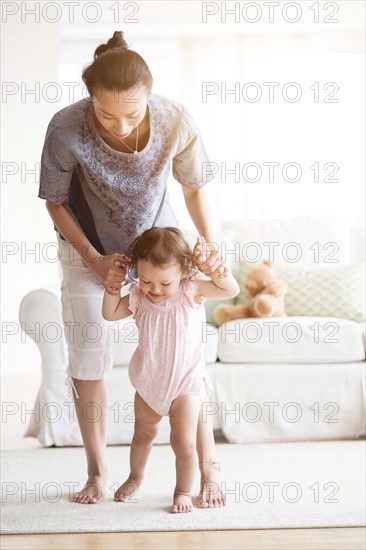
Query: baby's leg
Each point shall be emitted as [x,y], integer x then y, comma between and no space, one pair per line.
[183,414]
[146,429]
[211,494]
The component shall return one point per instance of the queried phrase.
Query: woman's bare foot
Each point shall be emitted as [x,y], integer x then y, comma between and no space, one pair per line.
[127,490]
[94,490]
[182,503]
[210,495]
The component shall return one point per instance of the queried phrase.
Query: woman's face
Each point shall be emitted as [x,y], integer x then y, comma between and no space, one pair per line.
[120,112]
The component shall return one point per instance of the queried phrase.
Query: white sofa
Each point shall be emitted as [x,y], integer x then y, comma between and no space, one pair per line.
[265,390]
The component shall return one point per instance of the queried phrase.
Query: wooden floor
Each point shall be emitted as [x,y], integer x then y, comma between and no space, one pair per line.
[270,539]
[265,539]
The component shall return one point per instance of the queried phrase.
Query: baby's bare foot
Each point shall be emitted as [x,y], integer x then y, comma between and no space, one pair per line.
[210,495]
[94,490]
[127,490]
[182,503]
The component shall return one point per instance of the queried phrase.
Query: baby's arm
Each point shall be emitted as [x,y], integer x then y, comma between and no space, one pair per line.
[218,288]
[222,285]
[114,307]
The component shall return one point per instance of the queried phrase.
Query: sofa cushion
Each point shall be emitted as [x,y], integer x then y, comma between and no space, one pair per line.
[291,339]
[336,291]
[124,336]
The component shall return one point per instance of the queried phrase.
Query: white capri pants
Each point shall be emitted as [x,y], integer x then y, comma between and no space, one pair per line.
[86,332]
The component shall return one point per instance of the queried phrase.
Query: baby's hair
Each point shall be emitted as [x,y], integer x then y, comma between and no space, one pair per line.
[160,246]
[116,67]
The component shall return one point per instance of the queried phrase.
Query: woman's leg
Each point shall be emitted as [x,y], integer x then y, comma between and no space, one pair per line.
[89,356]
[146,429]
[211,494]
[94,437]
[184,412]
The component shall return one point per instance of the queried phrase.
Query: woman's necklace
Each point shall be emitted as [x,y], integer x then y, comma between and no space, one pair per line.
[135,152]
[137,142]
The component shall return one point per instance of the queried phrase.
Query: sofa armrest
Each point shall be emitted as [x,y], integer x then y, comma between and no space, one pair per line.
[363,326]
[40,316]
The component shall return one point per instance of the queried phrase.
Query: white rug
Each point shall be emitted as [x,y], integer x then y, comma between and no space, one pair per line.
[269,486]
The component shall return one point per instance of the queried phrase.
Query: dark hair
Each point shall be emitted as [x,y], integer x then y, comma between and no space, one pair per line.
[160,246]
[115,67]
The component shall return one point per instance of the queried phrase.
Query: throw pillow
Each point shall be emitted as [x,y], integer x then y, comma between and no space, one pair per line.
[337,291]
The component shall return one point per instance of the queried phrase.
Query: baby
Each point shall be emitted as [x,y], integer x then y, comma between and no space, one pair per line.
[167,369]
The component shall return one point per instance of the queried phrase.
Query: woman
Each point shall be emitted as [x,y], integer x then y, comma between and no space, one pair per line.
[104,170]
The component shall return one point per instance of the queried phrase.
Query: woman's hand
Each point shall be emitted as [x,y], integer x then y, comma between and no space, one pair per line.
[112,269]
[207,259]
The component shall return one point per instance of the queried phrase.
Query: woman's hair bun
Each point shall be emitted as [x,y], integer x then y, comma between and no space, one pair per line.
[117,41]
[115,67]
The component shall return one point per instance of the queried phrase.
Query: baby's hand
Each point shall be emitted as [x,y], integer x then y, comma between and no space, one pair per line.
[207,259]
[114,276]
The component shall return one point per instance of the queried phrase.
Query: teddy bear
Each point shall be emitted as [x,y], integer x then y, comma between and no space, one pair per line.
[267,296]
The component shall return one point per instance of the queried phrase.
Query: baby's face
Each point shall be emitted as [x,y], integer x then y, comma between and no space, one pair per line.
[159,282]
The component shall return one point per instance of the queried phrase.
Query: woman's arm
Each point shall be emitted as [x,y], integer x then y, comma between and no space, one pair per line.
[200,211]
[114,307]
[70,228]
[111,268]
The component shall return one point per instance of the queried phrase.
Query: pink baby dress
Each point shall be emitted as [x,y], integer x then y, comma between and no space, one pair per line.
[169,361]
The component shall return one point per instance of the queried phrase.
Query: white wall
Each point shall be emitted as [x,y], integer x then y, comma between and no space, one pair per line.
[30,55]
[184,56]
[183,53]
